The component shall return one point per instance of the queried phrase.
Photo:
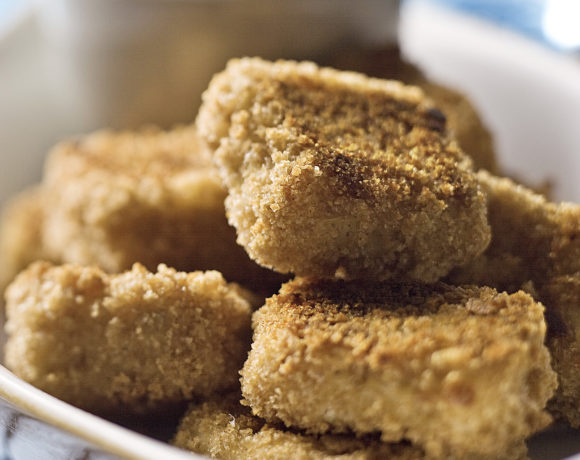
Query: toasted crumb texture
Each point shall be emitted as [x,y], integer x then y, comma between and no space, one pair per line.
[333,174]
[562,294]
[223,428]
[151,197]
[538,241]
[540,237]
[457,371]
[21,234]
[130,342]
[464,122]
[462,119]
[532,239]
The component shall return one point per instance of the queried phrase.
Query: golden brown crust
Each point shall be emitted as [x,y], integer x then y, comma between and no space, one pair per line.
[536,242]
[223,428]
[21,233]
[149,196]
[333,174]
[542,238]
[523,225]
[464,122]
[462,118]
[562,295]
[136,341]
[455,370]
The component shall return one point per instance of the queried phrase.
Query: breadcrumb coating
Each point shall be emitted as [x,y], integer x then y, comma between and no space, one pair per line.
[333,174]
[537,242]
[464,123]
[21,241]
[532,239]
[455,370]
[137,341]
[463,120]
[223,428]
[562,295]
[151,197]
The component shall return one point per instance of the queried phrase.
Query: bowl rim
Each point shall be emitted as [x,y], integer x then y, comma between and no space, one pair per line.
[103,434]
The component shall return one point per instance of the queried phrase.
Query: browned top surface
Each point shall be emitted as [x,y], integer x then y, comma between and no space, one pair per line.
[377,137]
[403,321]
[150,152]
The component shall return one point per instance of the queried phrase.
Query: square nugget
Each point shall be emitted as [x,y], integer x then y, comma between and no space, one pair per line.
[151,196]
[222,428]
[136,341]
[459,371]
[334,174]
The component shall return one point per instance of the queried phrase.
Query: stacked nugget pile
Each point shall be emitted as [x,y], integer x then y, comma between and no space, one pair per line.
[136,342]
[354,185]
[115,199]
[135,319]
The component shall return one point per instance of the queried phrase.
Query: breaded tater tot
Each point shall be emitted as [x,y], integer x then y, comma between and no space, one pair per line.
[222,428]
[150,197]
[534,240]
[462,119]
[333,174]
[136,341]
[458,371]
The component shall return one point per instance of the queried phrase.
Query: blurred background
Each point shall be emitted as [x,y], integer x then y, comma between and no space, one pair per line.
[73,66]
[555,23]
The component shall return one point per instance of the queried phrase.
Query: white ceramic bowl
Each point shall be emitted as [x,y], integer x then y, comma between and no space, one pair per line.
[529,96]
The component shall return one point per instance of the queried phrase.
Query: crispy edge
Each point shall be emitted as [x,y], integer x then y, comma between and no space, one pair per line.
[271,211]
[136,341]
[311,350]
[21,241]
[149,196]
